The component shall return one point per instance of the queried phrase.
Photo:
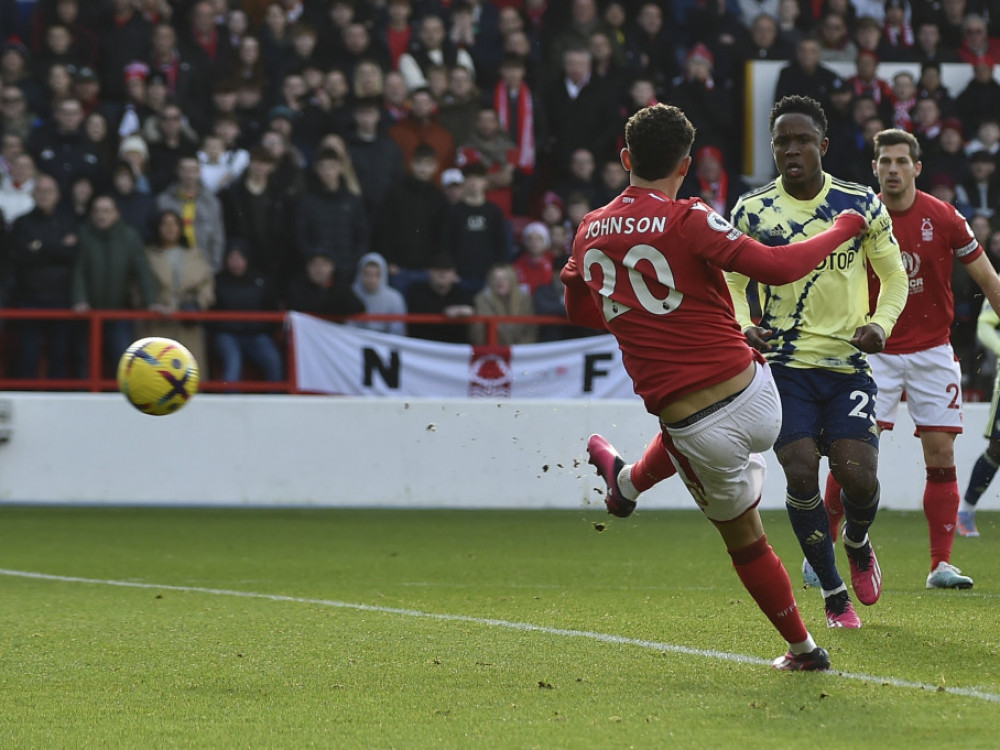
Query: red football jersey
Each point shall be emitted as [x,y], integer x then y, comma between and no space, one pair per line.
[654,265]
[931,234]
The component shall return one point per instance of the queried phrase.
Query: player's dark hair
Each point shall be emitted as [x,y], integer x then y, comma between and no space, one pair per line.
[800,105]
[894,137]
[658,138]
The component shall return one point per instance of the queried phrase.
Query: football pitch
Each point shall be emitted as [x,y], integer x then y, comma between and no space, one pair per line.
[149,628]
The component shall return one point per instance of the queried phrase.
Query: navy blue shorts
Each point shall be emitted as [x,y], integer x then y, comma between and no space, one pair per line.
[826,406]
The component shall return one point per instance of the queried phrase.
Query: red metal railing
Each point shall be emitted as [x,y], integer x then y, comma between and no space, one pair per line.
[96,380]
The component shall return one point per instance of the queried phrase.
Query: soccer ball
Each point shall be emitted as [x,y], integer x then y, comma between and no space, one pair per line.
[157,375]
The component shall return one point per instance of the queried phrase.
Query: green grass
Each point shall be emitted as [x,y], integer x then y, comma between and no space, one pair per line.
[90,665]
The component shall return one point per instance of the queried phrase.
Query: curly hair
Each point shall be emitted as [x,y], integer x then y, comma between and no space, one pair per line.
[894,137]
[801,105]
[658,138]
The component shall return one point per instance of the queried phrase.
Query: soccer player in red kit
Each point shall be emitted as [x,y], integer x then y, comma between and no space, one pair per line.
[918,357]
[649,269]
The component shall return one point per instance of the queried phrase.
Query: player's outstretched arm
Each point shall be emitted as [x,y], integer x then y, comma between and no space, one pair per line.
[986,329]
[787,263]
[580,306]
[981,271]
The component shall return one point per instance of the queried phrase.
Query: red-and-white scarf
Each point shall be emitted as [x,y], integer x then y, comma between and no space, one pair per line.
[718,190]
[525,122]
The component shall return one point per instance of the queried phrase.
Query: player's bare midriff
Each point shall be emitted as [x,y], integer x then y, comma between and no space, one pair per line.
[691,403]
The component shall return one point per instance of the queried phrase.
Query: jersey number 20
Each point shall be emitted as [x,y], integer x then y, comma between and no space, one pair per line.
[649,301]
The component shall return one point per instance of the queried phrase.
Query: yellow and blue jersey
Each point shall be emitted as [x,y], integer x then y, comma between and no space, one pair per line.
[814,318]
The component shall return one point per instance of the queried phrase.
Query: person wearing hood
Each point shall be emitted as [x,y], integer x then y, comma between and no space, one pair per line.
[371,286]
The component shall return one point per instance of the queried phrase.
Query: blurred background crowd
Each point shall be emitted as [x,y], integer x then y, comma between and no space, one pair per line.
[423,156]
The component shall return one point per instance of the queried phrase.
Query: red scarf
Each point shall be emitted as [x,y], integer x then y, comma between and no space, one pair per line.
[719,189]
[525,122]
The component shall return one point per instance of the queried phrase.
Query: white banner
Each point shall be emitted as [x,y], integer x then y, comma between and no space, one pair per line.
[334,358]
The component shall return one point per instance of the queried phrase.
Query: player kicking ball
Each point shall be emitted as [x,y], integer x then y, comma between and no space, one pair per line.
[649,269]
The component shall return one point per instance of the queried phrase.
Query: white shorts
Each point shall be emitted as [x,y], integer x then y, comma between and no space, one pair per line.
[932,380]
[718,457]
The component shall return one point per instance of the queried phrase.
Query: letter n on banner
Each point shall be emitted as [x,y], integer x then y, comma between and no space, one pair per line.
[490,375]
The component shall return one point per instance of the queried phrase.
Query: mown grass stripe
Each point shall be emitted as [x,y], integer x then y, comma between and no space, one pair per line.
[969,692]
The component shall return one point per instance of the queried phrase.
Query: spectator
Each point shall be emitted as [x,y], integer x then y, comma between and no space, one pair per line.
[706,101]
[904,98]
[865,82]
[551,300]
[492,146]
[976,42]
[109,266]
[453,185]
[395,98]
[950,158]
[60,149]
[289,175]
[898,39]
[377,158]
[987,139]
[80,198]
[220,166]
[97,141]
[408,232]
[579,113]
[441,294]
[421,126]
[134,151]
[982,189]
[581,177]
[210,41]
[503,296]
[330,219]
[930,87]
[712,182]
[15,116]
[275,37]
[124,36]
[186,80]
[257,213]
[927,125]
[174,140]
[650,46]
[805,75]
[475,231]
[136,208]
[321,289]
[240,287]
[431,47]
[519,115]
[535,262]
[199,209]
[930,48]
[184,283]
[397,32]
[43,246]
[765,42]
[16,73]
[460,104]
[980,99]
[371,286]
[17,190]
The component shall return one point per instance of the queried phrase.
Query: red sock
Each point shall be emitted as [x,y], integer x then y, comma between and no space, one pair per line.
[654,466]
[941,501]
[834,507]
[766,579]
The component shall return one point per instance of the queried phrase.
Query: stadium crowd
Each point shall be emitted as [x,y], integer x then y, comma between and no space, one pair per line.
[385,156]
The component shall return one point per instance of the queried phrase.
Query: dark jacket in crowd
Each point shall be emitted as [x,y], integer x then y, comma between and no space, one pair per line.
[408,233]
[43,249]
[420,298]
[337,299]
[110,266]
[65,156]
[379,165]
[333,223]
[263,223]
[249,292]
[476,237]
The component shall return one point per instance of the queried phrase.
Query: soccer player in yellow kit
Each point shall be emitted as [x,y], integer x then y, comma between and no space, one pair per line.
[815,333]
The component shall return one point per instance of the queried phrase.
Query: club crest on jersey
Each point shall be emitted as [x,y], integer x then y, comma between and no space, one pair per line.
[926,230]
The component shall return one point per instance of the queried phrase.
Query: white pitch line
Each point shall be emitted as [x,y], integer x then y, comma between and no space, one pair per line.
[510,625]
